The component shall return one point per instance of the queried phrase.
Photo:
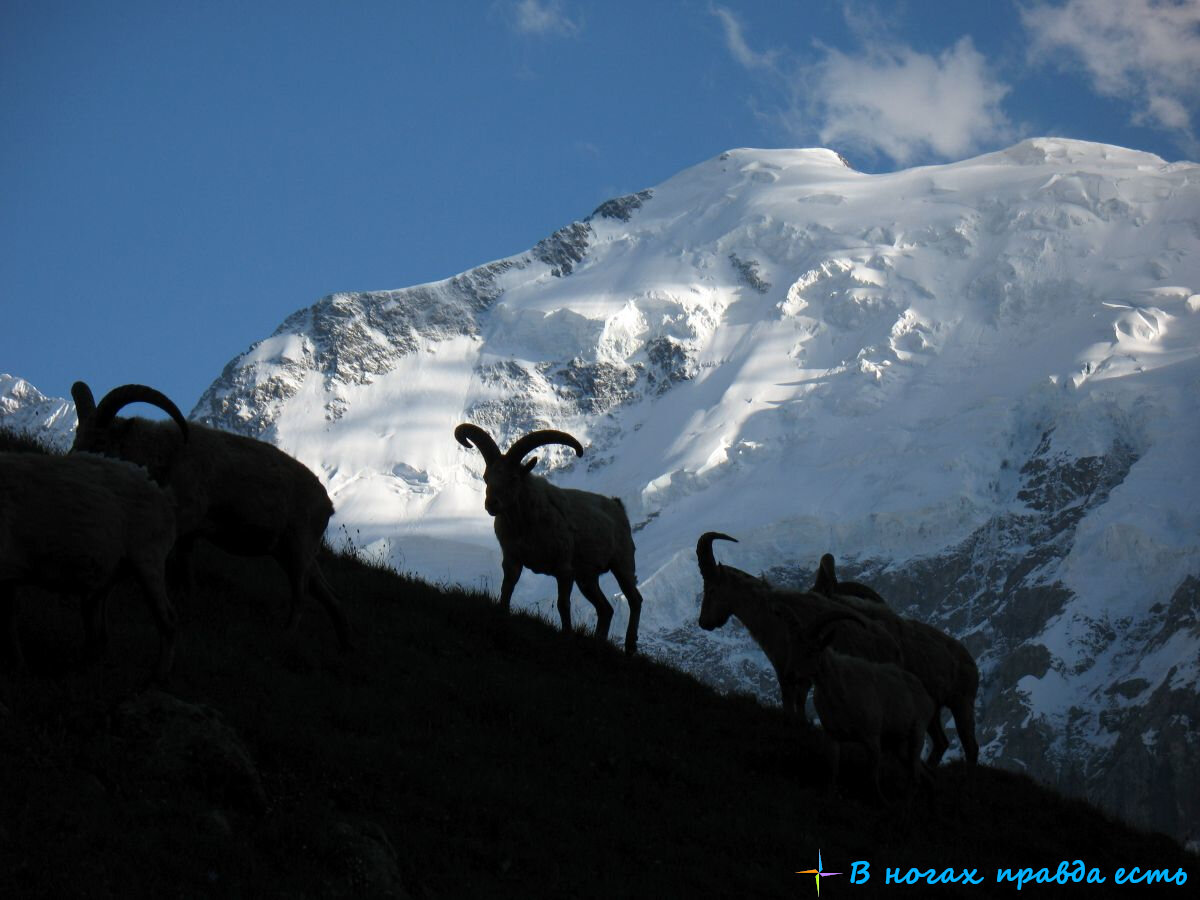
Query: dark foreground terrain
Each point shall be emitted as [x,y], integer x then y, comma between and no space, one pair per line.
[458,752]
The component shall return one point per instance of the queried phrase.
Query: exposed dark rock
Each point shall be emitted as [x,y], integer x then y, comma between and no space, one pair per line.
[564,249]
[506,420]
[519,412]
[1027,742]
[1149,776]
[1027,609]
[1128,689]
[670,363]
[621,208]
[1182,612]
[748,270]
[646,521]
[347,339]
[579,387]
[712,663]
[595,388]
[1028,659]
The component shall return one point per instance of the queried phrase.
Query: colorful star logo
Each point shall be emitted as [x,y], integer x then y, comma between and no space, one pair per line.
[817,873]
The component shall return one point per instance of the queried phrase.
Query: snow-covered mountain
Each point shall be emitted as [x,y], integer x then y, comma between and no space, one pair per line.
[976,384]
[23,408]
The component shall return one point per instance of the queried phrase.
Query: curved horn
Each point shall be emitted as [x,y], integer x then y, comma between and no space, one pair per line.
[119,397]
[704,553]
[535,439]
[85,403]
[826,581]
[473,436]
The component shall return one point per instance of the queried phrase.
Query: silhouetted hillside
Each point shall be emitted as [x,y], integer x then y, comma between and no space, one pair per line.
[458,752]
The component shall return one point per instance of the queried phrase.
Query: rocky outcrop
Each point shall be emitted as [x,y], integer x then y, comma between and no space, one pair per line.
[621,209]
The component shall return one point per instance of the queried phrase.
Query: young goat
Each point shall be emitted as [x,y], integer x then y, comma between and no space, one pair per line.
[77,523]
[860,701]
[575,536]
[732,592]
[944,666]
[245,496]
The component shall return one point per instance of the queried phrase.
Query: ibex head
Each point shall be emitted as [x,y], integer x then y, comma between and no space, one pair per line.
[504,473]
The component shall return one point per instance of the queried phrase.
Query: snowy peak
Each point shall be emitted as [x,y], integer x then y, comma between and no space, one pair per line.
[346,339]
[784,280]
[23,408]
[1064,151]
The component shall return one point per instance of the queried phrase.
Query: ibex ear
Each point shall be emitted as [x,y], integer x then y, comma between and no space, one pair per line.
[529,465]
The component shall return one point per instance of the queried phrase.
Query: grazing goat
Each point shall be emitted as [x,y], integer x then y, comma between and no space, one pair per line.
[77,523]
[576,536]
[858,700]
[827,583]
[943,665]
[732,592]
[245,496]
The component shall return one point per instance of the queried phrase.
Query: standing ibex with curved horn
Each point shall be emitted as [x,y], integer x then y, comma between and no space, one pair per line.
[246,496]
[576,536]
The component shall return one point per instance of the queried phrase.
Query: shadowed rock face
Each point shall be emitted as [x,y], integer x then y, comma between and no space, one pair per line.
[345,339]
[621,208]
[353,338]
[564,249]
[748,270]
[1149,774]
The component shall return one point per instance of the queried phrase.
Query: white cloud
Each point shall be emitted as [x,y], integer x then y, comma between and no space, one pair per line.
[1146,52]
[886,99]
[904,104]
[735,40]
[542,17]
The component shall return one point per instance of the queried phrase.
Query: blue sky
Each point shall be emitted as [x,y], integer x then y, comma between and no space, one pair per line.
[178,177]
